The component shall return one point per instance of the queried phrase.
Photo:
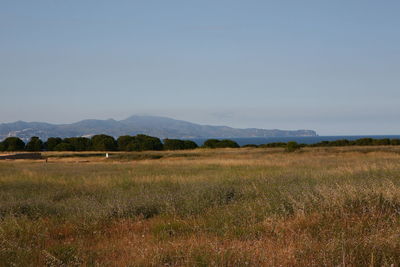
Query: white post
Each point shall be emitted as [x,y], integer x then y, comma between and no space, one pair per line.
[107,155]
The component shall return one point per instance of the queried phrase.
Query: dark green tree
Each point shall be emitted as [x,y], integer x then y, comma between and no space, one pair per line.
[2,147]
[102,142]
[13,144]
[228,143]
[211,143]
[140,142]
[190,144]
[79,143]
[124,142]
[144,142]
[64,147]
[51,143]
[177,144]
[215,143]
[34,144]
[174,144]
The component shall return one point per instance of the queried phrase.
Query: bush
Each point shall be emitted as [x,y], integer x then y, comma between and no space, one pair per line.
[382,142]
[292,146]
[364,142]
[13,144]
[215,143]
[250,145]
[276,144]
[343,142]
[395,142]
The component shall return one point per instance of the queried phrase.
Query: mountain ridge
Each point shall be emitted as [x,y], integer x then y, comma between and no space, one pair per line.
[162,127]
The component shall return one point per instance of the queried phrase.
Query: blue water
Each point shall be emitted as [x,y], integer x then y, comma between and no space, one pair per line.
[300,140]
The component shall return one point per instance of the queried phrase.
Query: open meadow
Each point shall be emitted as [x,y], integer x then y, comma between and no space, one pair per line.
[204,207]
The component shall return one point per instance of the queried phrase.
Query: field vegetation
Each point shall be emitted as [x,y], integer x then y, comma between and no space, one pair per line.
[325,206]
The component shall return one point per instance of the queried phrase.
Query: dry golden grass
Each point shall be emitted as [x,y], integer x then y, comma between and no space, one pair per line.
[225,207]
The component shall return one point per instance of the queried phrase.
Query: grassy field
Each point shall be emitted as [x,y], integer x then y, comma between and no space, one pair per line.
[226,207]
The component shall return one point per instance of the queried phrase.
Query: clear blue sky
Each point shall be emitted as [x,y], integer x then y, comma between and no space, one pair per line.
[332,66]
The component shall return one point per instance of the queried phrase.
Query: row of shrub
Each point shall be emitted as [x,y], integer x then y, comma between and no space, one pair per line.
[143,142]
[342,142]
[360,142]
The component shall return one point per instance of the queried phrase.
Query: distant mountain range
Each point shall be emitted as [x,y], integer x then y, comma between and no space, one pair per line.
[161,127]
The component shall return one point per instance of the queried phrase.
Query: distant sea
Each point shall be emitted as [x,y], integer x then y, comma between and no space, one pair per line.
[299,139]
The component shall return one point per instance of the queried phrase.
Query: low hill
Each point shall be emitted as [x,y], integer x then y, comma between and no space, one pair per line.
[161,127]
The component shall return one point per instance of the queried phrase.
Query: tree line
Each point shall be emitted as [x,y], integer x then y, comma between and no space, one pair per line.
[341,142]
[292,146]
[143,142]
[99,142]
